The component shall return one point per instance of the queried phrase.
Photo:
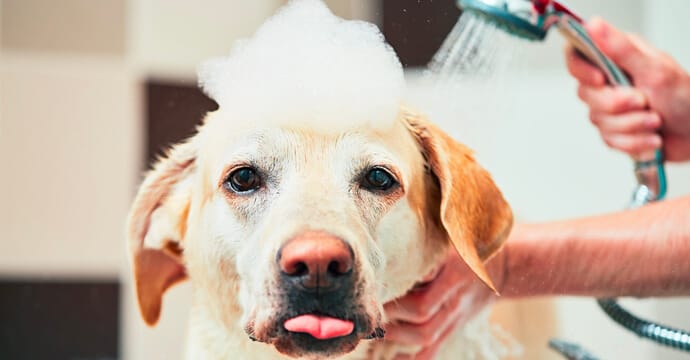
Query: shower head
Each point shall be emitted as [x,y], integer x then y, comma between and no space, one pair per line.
[532,19]
[515,17]
[527,19]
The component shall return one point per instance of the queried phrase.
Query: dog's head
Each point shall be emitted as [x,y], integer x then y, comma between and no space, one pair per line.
[309,199]
[310,233]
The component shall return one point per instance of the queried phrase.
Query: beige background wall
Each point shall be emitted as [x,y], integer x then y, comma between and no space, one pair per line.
[71,131]
[69,143]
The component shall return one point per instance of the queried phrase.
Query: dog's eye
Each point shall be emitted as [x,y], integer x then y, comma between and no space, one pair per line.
[378,179]
[243,180]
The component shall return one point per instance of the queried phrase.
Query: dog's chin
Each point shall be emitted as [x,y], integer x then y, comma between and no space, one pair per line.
[304,345]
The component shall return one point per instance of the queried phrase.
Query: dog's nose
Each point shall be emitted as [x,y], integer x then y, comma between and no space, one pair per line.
[316,260]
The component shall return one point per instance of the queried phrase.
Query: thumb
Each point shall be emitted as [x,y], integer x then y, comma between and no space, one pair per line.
[618,46]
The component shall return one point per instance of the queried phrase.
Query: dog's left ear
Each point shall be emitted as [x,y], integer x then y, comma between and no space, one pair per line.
[476,217]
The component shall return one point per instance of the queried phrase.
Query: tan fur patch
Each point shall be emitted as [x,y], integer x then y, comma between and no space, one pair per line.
[473,212]
[156,269]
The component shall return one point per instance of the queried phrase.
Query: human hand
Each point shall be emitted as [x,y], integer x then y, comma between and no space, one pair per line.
[638,120]
[427,315]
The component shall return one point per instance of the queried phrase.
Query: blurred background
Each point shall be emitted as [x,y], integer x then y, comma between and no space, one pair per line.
[90,91]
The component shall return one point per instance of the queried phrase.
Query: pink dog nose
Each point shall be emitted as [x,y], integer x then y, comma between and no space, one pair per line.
[316,260]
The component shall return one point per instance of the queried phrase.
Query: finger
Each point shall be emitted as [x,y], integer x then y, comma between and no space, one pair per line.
[419,306]
[612,100]
[430,352]
[428,333]
[414,334]
[626,123]
[618,46]
[583,70]
[633,144]
[431,276]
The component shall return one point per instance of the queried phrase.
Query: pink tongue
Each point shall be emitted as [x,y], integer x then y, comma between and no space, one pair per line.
[320,327]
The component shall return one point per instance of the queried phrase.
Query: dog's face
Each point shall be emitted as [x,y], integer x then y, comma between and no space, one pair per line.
[307,234]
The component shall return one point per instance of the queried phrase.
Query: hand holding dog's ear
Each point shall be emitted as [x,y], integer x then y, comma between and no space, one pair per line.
[157,225]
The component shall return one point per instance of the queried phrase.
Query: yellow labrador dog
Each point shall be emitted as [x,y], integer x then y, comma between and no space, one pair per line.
[295,234]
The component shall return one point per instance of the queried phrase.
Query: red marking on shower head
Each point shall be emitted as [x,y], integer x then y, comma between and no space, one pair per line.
[541,5]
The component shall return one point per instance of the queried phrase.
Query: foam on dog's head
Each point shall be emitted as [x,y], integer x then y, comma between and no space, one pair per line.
[306,66]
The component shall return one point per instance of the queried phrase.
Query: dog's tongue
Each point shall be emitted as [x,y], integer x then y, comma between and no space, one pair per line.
[320,327]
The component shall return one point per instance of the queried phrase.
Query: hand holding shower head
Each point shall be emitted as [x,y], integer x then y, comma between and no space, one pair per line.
[531,20]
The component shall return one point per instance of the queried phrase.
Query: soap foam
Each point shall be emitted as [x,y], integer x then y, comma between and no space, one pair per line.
[307,66]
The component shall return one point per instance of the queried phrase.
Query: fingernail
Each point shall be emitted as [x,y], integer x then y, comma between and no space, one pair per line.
[656,141]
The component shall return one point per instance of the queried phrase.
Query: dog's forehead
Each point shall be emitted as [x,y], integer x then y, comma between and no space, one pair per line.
[285,142]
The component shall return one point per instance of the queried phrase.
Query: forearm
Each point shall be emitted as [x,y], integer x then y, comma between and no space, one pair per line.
[642,252]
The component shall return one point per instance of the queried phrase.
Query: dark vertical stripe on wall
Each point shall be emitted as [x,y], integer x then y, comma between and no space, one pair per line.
[173,110]
[416,28]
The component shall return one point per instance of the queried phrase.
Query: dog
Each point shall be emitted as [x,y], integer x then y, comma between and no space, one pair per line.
[294,235]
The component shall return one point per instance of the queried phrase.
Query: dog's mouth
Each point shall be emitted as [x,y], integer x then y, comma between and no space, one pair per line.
[319,334]
[317,313]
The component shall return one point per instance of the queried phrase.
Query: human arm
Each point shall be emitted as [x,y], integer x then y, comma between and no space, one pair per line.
[641,252]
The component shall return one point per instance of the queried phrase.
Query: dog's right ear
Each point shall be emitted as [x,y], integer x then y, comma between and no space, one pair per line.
[156,227]
[472,210]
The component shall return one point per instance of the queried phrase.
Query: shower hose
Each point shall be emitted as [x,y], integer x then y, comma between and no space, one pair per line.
[662,334]
[647,173]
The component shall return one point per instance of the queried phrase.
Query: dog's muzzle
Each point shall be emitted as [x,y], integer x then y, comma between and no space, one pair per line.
[321,311]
